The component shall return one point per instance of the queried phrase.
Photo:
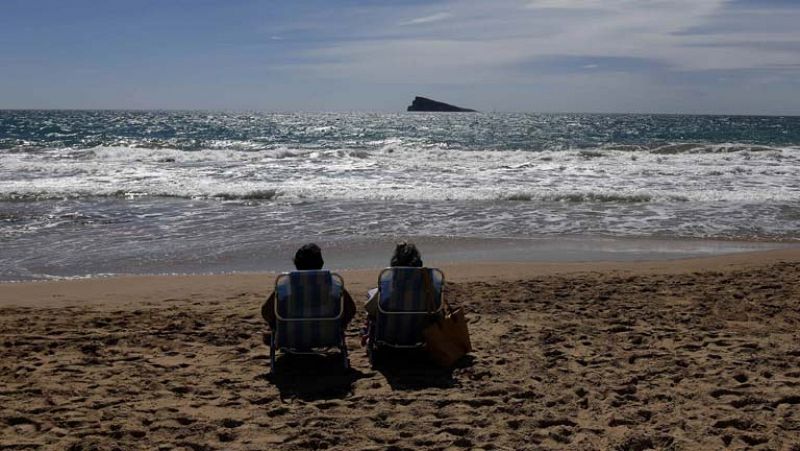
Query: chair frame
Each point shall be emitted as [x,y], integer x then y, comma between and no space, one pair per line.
[373,343]
[273,348]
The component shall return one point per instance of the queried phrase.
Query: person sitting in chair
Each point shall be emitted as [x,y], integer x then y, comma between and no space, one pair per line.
[308,257]
[405,254]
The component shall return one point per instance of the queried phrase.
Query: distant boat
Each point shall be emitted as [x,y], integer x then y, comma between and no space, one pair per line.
[426,104]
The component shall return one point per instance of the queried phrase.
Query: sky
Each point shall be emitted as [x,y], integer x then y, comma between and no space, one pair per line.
[646,56]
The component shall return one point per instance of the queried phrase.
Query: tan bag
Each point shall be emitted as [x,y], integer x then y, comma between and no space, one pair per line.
[446,339]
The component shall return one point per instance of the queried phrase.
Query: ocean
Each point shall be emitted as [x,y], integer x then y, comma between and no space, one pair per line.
[87,193]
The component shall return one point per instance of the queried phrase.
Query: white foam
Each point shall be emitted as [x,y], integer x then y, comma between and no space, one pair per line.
[399,170]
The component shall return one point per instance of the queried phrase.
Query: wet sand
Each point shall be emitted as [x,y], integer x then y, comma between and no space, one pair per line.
[684,354]
[370,252]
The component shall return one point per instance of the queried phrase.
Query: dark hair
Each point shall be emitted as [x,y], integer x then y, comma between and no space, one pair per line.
[406,254]
[308,257]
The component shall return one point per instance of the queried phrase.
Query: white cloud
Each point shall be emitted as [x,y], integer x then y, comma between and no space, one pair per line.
[427,19]
[489,42]
[569,4]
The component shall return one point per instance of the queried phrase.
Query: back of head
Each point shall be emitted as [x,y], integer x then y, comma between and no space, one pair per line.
[406,254]
[308,257]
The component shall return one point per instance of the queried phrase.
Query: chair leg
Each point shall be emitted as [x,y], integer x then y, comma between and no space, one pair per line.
[371,343]
[343,347]
[272,368]
[372,351]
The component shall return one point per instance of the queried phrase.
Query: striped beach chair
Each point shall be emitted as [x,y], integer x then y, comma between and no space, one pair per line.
[309,308]
[403,311]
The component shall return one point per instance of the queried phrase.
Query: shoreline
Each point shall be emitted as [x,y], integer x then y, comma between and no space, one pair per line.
[131,289]
[363,253]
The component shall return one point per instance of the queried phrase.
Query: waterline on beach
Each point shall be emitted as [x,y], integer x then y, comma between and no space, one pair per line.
[368,253]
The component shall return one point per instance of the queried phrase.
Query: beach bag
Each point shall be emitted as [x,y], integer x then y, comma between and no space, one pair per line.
[446,338]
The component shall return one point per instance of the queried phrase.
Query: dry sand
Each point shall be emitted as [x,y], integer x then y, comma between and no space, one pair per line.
[691,354]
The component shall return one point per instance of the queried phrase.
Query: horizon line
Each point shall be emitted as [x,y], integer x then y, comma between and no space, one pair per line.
[243,110]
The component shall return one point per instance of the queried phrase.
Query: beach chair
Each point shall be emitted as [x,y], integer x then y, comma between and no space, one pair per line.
[309,309]
[404,309]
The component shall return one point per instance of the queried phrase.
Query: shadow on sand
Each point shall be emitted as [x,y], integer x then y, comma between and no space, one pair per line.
[412,369]
[313,377]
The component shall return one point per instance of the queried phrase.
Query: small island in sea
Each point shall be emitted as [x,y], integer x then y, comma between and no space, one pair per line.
[426,104]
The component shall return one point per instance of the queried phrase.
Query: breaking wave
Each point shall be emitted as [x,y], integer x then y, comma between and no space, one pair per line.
[592,198]
[268,194]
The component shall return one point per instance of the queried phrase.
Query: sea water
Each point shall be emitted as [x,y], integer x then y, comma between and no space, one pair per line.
[94,192]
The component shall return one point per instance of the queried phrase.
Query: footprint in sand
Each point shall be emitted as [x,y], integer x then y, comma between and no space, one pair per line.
[23,425]
[740,378]
[231,423]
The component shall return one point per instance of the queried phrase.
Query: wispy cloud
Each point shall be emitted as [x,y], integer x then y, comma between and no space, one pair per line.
[427,19]
[568,4]
[553,42]
[487,43]
[482,41]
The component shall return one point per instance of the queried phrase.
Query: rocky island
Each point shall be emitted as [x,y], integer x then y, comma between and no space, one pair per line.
[426,104]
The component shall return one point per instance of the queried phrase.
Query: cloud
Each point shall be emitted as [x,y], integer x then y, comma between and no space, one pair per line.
[568,4]
[565,64]
[427,19]
[658,43]
[488,42]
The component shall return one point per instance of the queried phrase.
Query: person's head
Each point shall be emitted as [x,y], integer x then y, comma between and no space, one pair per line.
[406,254]
[308,257]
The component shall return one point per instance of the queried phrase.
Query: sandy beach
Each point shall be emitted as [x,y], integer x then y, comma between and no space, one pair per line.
[610,188]
[685,354]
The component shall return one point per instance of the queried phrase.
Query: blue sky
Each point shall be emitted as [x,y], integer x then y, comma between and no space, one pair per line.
[682,56]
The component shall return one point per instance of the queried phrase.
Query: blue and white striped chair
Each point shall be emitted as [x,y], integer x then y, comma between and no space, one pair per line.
[309,310]
[403,311]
